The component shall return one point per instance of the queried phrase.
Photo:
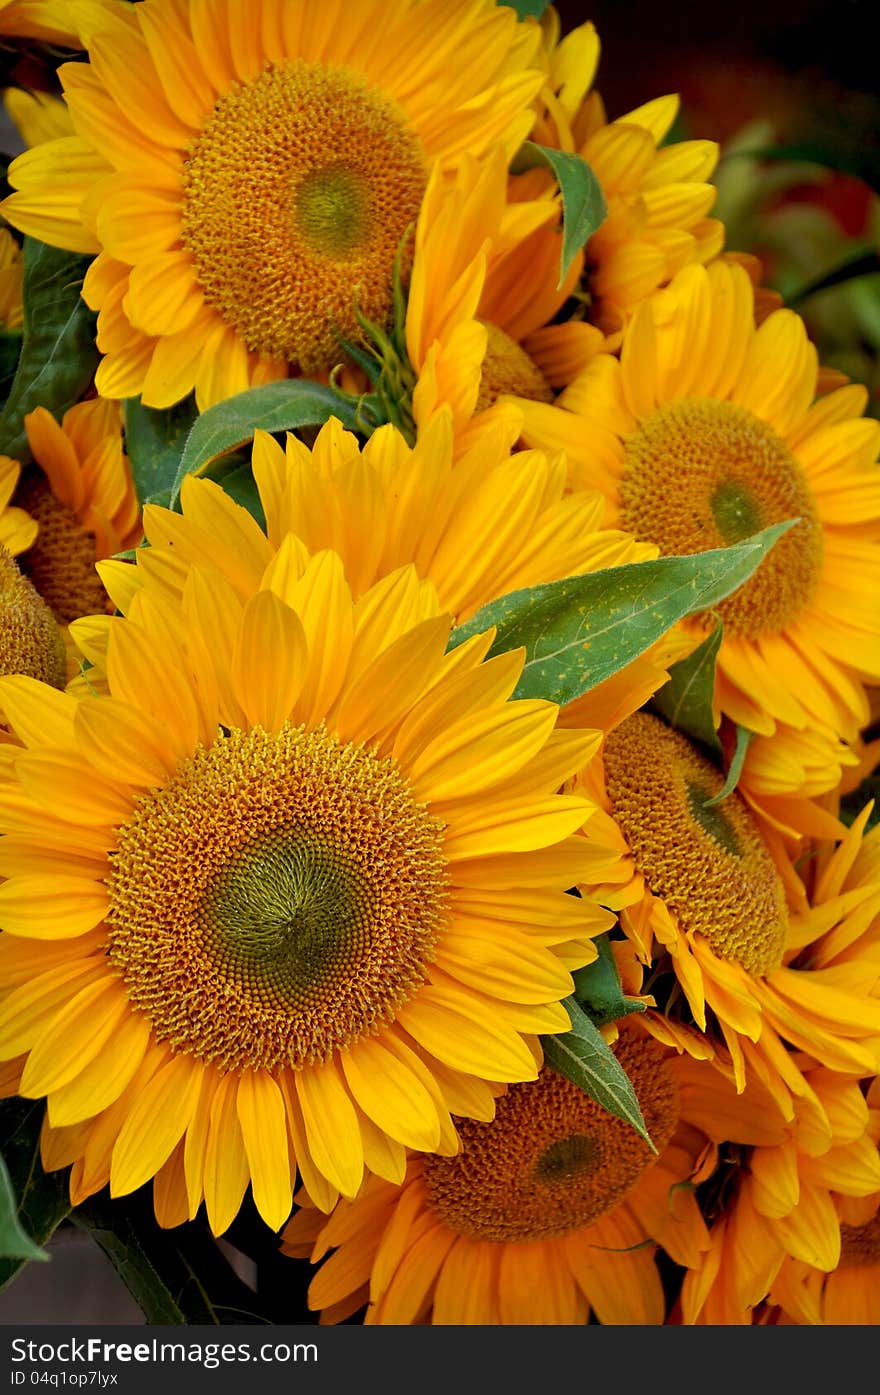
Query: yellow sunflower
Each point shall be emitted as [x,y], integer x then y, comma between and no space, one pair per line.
[423,507]
[848,1295]
[246,178]
[30,642]
[773,1206]
[18,529]
[287,896]
[381,505]
[83,502]
[37,115]
[705,431]
[11,273]
[52,21]
[552,1210]
[760,960]
[657,195]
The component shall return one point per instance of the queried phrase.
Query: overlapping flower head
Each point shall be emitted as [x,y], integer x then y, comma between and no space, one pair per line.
[548,1213]
[361,858]
[774,1204]
[264,881]
[726,924]
[707,429]
[178,120]
[845,1293]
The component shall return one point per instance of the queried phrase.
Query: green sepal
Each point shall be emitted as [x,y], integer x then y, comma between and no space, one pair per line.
[58,353]
[583,203]
[734,770]
[38,1201]
[281,406]
[598,991]
[154,442]
[584,1057]
[686,700]
[579,631]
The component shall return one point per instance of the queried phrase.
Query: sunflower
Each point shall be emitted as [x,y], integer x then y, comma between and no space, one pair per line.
[287,896]
[657,195]
[37,115]
[231,254]
[29,639]
[551,1211]
[83,503]
[848,1294]
[51,21]
[760,959]
[421,507]
[773,1206]
[11,274]
[17,529]
[705,431]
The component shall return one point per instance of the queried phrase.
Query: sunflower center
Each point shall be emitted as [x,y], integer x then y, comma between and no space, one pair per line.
[277,900]
[701,474]
[860,1245]
[552,1159]
[507,368]
[709,865]
[61,562]
[30,641]
[298,193]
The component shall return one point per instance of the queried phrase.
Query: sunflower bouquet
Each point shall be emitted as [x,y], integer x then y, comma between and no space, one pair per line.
[440,651]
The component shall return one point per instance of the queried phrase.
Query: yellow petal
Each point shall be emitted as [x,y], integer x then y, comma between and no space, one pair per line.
[263,1123]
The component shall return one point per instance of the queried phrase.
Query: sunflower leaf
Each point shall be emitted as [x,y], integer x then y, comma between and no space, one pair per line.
[154,443]
[43,1200]
[281,406]
[178,1277]
[686,700]
[579,631]
[584,1057]
[863,161]
[58,354]
[526,9]
[10,350]
[743,737]
[598,990]
[583,203]
[15,1243]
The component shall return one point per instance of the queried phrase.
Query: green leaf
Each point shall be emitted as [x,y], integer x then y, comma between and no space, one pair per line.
[584,1057]
[177,1277]
[15,1243]
[597,988]
[863,162]
[583,203]
[526,9]
[279,406]
[865,264]
[43,1197]
[154,443]
[58,353]
[686,700]
[10,350]
[743,737]
[579,631]
[853,803]
[239,483]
